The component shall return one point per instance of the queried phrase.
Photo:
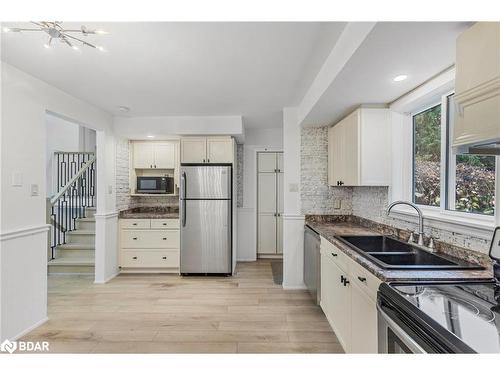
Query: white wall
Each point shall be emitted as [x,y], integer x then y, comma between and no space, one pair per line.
[293,220]
[256,139]
[23,269]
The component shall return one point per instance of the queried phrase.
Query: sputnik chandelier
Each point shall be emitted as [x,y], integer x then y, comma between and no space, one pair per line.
[55,31]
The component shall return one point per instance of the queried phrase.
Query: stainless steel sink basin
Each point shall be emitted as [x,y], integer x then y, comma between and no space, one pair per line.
[391,253]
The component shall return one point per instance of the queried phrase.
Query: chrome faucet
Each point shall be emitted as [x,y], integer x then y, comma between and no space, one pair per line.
[420,220]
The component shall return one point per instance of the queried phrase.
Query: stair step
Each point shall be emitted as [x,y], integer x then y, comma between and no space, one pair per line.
[76,246]
[86,219]
[81,236]
[83,232]
[71,262]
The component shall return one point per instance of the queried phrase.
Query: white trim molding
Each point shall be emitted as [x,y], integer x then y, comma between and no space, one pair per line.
[29,329]
[106,215]
[23,232]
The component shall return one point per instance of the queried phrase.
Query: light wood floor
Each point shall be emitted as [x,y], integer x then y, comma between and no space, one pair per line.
[246,313]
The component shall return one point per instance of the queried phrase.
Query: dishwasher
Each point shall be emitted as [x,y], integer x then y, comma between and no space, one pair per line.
[312,269]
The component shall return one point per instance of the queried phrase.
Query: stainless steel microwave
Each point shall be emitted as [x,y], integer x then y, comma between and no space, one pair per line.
[155,185]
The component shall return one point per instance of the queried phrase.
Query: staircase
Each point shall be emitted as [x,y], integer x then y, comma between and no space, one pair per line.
[72,209]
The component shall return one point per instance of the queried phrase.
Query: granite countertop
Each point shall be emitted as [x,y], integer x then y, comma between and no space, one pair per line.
[151,212]
[343,226]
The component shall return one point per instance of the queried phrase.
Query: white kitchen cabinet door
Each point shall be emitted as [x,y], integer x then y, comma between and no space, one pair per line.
[164,155]
[281,167]
[193,150]
[279,234]
[350,150]
[363,322]
[267,162]
[341,306]
[266,233]
[327,292]
[220,150]
[280,193]
[143,155]
[336,157]
[266,193]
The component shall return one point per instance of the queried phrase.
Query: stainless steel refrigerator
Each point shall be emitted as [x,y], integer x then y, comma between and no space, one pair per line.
[206,219]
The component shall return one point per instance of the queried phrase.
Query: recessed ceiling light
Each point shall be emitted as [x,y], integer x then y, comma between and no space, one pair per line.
[123,109]
[400,78]
[75,48]
[100,48]
[6,29]
[46,45]
[150,136]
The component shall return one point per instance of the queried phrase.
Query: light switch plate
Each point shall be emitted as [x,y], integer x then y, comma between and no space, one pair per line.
[34,190]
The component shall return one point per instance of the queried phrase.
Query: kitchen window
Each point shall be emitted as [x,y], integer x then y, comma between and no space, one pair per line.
[441,178]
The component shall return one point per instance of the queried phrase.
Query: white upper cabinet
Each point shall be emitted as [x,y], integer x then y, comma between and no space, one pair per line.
[219,150]
[211,150]
[143,155]
[154,155]
[359,149]
[164,155]
[477,85]
[193,150]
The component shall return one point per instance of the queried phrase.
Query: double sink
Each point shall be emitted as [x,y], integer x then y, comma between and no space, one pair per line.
[390,253]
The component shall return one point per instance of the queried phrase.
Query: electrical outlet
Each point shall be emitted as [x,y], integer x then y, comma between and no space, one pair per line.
[337,204]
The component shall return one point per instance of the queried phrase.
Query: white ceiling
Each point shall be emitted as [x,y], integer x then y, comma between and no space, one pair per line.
[157,69]
[419,49]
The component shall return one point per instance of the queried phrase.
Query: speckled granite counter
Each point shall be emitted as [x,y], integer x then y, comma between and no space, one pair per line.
[331,226]
[161,212]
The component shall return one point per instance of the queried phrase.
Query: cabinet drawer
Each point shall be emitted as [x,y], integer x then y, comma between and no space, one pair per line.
[150,258]
[150,239]
[164,223]
[338,256]
[366,281]
[135,223]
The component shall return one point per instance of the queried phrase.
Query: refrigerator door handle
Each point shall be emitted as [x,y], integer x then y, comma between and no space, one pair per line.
[183,197]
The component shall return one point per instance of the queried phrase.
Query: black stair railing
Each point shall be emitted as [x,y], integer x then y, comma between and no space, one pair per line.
[74,197]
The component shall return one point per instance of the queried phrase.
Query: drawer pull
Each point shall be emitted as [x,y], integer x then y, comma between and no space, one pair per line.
[164,238]
[134,238]
[134,257]
[334,255]
[134,223]
[362,279]
[164,258]
[164,224]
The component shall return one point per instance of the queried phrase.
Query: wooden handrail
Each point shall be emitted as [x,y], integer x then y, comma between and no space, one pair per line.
[70,182]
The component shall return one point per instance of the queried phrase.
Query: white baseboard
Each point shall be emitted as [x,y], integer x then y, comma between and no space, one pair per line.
[107,279]
[247,260]
[28,330]
[294,287]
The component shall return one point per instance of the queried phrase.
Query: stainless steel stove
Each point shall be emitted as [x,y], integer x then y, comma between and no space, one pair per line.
[439,318]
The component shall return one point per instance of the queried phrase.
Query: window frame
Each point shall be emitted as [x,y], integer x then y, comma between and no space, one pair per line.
[428,95]
[420,110]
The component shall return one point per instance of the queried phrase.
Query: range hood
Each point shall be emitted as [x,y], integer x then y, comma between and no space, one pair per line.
[477,90]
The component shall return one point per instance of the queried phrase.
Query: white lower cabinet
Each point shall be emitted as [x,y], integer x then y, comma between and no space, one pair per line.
[149,245]
[348,299]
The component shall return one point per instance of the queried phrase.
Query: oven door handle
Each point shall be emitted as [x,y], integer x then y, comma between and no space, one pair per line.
[398,331]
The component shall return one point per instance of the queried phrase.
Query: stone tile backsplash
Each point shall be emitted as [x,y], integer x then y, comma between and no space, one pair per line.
[316,196]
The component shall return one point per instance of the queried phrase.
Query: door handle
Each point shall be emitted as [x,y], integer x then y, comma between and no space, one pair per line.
[334,255]
[341,278]
[346,281]
[183,202]
[134,238]
[164,258]
[134,257]
[164,238]
[362,279]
